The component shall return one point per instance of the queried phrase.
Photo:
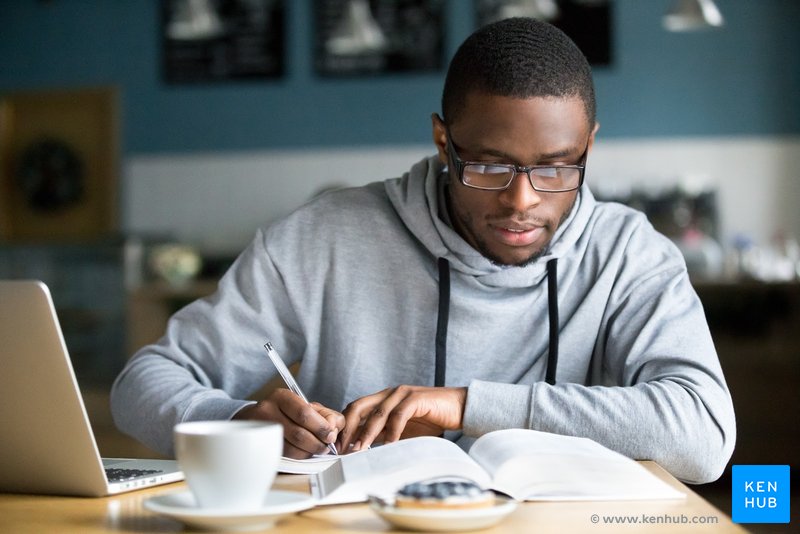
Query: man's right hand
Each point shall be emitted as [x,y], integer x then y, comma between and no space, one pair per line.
[307,428]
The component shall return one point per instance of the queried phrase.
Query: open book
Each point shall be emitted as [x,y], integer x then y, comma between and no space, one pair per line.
[524,464]
[307,466]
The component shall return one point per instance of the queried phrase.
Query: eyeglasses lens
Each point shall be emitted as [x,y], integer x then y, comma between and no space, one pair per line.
[500,176]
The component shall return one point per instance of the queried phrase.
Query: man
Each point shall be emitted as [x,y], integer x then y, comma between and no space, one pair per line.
[485,289]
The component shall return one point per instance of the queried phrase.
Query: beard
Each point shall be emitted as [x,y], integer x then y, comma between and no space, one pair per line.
[467,223]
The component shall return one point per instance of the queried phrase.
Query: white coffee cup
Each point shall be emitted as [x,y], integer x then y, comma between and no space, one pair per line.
[229,464]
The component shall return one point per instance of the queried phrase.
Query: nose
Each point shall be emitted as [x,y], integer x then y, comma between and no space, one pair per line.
[520,194]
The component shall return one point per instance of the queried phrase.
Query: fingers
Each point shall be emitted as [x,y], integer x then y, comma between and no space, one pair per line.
[307,429]
[399,412]
[381,415]
[390,417]
[355,413]
[386,416]
[335,420]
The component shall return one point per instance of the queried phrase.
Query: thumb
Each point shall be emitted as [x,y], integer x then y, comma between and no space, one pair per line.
[335,419]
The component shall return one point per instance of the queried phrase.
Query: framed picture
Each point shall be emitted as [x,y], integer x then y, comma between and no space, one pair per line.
[587,22]
[59,159]
[364,37]
[219,40]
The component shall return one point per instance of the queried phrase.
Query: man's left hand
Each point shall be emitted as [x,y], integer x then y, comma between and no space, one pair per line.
[401,412]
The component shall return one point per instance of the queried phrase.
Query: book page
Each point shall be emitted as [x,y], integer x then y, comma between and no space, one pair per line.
[383,470]
[306,466]
[532,465]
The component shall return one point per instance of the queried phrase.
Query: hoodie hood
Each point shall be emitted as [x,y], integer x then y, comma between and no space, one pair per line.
[417,199]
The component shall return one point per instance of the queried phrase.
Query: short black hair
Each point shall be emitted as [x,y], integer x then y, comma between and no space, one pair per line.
[521,58]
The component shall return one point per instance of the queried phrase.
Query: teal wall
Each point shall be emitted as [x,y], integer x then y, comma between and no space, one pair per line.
[743,79]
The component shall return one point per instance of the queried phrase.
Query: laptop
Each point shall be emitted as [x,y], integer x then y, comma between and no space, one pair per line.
[46,441]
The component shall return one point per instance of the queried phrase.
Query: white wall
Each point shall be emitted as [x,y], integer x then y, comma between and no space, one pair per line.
[757,179]
[216,200]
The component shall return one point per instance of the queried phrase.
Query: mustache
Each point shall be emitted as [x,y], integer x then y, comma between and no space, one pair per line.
[518,218]
[523,218]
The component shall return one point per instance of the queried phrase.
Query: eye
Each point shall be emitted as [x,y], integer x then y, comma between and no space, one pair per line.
[547,172]
[490,169]
[496,169]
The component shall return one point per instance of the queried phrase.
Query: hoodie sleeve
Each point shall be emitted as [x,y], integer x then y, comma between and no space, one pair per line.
[657,391]
[211,356]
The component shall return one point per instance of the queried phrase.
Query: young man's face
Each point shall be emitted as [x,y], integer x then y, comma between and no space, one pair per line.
[515,225]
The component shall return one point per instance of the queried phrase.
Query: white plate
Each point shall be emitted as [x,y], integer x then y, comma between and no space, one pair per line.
[445,520]
[182,506]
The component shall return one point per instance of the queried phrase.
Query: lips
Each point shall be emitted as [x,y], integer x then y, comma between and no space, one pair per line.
[517,235]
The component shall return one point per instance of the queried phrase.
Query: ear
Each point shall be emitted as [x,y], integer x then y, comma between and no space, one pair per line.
[440,137]
[592,135]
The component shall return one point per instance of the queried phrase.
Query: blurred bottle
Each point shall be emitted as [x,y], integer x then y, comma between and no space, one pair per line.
[703,255]
[133,263]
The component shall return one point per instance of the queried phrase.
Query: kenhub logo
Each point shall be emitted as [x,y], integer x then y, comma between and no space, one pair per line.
[760,494]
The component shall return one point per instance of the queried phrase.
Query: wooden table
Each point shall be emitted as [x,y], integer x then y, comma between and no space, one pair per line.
[125,513]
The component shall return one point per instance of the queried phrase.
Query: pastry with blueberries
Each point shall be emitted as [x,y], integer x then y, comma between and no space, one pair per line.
[444,494]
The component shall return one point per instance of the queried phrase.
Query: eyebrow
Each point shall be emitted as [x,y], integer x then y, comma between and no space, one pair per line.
[503,155]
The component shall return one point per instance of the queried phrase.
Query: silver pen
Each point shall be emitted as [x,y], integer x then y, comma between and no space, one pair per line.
[291,383]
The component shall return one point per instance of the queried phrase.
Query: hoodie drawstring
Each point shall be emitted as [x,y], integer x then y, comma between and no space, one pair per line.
[444,316]
[552,315]
[441,323]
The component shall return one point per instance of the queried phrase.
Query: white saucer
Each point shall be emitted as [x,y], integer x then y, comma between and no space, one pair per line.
[181,505]
[445,520]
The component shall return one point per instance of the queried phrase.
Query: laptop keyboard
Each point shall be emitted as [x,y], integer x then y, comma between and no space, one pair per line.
[121,475]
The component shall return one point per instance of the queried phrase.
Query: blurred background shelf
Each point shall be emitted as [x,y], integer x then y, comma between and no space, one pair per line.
[151,305]
[86,283]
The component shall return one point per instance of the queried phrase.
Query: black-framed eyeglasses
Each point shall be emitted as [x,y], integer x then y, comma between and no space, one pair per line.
[498,176]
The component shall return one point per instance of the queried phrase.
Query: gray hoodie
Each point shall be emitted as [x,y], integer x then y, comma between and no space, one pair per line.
[349,285]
